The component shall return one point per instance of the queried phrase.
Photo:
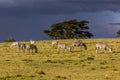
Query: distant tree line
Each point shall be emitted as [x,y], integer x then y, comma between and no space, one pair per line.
[69,29]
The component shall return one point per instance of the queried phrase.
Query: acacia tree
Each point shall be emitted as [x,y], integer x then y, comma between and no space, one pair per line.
[69,29]
[118,33]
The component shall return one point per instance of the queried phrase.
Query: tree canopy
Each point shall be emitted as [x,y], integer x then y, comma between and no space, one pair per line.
[118,33]
[69,29]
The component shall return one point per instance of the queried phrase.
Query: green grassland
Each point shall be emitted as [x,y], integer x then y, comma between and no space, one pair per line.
[49,64]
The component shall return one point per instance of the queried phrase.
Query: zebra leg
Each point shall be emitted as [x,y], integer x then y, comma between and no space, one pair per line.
[58,49]
[32,50]
[23,50]
[28,50]
[96,50]
[103,50]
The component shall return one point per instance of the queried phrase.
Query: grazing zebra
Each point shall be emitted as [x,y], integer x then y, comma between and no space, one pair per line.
[54,43]
[79,42]
[32,47]
[22,47]
[65,46]
[103,46]
[14,44]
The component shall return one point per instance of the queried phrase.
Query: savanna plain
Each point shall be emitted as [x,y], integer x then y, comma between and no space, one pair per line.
[50,64]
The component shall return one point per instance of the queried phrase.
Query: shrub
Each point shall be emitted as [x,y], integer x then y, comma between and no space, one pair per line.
[11,39]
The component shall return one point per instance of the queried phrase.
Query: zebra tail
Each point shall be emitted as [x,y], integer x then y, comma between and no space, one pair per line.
[85,47]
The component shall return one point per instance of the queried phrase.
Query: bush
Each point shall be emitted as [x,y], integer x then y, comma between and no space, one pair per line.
[11,39]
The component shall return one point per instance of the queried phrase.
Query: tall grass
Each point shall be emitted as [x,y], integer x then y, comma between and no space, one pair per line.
[49,64]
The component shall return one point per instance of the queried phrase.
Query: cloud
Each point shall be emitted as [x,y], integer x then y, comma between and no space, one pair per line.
[20,16]
[26,7]
[44,7]
[97,5]
[116,24]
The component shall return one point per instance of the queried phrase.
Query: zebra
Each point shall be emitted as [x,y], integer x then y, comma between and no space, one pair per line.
[103,46]
[32,47]
[54,43]
[22,47]
[65,46]
[14,44]
[79,42]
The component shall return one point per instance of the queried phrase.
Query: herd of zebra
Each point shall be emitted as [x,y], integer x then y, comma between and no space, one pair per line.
[77,42]
[23,46]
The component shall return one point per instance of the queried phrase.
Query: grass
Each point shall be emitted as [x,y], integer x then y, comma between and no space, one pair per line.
[48,64]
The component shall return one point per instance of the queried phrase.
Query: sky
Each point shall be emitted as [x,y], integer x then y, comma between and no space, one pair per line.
[26,19]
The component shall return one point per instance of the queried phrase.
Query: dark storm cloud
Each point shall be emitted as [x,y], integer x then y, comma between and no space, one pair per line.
[116,24]
[26,19]
[18,7]
[26,7]
[96,5]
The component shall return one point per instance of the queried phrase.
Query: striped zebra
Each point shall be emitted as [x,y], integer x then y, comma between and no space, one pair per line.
[32,47]
[79,42]
[65,46]
[22,47]
[14,44]
[54,43]
[103,47]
